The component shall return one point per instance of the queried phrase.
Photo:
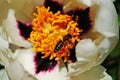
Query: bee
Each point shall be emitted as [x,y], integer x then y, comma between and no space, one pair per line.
[67,37]
[60,44]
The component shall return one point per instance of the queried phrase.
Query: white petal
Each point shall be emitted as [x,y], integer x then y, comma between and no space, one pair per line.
[56,74]
[4,7]
[69,5]
[88,2]
[14,69]
[86,49]
[17,72]
[86,54]
[82,4]
[106,19]
[95,73]
[10,31]
[26,58]
[3,75]
[106,77]
[4,57]
[24,8]
[3,43]
[106,23]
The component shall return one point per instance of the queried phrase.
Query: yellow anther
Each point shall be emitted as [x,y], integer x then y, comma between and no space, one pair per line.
[49,29]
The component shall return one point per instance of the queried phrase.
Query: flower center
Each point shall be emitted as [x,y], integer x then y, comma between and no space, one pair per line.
[53,34]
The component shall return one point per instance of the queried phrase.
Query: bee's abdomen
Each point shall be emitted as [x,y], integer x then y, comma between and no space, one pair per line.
[58,46]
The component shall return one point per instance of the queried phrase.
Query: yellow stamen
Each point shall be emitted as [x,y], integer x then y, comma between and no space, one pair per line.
[49,29]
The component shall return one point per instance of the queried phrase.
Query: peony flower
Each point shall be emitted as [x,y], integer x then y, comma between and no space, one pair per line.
[56,39]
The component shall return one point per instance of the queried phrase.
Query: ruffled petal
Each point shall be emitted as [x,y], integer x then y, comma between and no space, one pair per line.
[95,73]
[3,44]
[14,69]
[11,31]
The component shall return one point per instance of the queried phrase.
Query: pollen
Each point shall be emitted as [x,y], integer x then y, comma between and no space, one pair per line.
[53,34]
